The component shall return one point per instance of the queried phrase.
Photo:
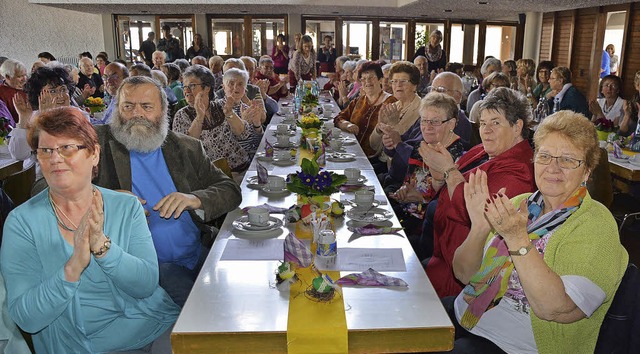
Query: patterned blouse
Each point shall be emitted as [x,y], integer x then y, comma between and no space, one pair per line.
[218,139]
[365,115]
[301,65]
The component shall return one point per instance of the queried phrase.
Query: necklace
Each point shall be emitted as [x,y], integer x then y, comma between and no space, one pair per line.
[57,209]
[605,109]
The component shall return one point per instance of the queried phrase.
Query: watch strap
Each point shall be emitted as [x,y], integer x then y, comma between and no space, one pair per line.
[522,250]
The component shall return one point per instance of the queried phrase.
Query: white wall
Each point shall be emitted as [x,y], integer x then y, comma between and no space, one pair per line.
[28,29]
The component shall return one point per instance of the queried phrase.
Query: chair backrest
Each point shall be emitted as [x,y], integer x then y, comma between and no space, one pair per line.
[18,185]
[223,165]
[600,185]
[621,325]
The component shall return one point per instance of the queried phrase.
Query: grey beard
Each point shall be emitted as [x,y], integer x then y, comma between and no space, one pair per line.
[139,134]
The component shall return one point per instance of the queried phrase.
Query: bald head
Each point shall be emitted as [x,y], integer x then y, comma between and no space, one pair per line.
[449,83]
[114,74]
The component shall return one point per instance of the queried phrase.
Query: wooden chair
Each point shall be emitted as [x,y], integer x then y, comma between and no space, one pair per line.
[599,185]
[223,165]
[18,185]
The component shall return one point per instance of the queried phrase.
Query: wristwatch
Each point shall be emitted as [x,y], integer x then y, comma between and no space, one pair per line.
[446,173]
[522,250]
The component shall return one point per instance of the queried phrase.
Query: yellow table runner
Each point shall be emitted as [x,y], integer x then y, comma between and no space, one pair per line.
[314,327]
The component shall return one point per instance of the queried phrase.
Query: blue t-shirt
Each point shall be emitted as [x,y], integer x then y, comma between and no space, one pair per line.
[176,240]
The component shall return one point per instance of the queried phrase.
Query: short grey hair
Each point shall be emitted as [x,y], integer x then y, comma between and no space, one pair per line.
[160,77]
[496,63]
[235,74]
[510,103]
[234,62]
[349,65]
[265,59]
[386,67]
[204,75]
[341,60]
[144,80]
[361,61]
[183,64]
[161,52]
[10,66]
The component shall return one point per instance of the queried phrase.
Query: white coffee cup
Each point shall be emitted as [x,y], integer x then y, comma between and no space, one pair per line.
[275,183]
[286,110]
[335,132]
[258,216]
[364,198]
[336,145]
[283,140]
[282,128]
[328,110]
[352,174]
[328,126]
[289,116]
[282,154]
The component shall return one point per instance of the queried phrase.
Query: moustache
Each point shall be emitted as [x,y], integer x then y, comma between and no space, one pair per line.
[138,121]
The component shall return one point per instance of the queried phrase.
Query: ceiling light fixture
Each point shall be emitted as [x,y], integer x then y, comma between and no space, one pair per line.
[448,10]
[483,2]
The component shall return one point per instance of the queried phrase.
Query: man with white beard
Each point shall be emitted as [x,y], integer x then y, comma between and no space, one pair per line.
[170,173]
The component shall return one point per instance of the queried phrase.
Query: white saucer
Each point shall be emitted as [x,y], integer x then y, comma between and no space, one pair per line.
[620,160]
[252,182]
[260,156]
[288,146]
[341,157]
[635,162]
[284,162]
[288,132]
[356,207]
[270,191]
[357,182]
[242,223]
[348,141]
[369,215]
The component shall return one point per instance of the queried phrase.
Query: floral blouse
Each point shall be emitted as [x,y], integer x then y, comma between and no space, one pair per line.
[218,140]
[303,66]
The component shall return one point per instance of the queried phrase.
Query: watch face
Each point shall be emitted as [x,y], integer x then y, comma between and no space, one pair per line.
[523,251]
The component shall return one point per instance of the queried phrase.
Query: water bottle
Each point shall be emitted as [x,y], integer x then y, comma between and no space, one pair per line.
[556,105]
[541,111]
[298,96]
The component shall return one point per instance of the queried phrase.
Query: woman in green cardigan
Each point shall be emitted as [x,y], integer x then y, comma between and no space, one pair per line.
[540,270]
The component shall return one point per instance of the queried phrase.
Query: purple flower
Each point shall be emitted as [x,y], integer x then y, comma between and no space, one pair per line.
[307,179]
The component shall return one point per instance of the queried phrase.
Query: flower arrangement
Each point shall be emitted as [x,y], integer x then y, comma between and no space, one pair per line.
[5,128]
[313,181]
[604,125]
[310,100]
[310,121]
[94,104]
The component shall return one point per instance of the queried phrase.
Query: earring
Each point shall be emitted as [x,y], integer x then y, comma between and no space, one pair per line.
[583,184]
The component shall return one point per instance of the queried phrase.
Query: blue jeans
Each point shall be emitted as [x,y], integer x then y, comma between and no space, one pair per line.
[178,280]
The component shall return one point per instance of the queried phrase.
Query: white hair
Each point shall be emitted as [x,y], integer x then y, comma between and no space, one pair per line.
[496,63]
[235,74]
[161,52]
[160,77]
[349,65]
[10,66]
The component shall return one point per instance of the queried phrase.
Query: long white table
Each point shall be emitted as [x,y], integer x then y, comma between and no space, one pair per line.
[235,308]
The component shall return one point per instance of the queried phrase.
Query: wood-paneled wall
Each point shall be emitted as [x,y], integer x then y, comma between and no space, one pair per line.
[631,63]
[569,38]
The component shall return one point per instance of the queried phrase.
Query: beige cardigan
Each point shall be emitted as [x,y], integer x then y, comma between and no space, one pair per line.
[407,120]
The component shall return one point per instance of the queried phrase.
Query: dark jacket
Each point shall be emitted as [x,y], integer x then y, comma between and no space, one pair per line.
[190,168]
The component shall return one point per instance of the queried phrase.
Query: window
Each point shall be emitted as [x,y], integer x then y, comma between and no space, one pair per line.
[356,38]
[318,29]
[423,31]
[500,42]
[464,46]
[393,37]
[265,32]
[228,36]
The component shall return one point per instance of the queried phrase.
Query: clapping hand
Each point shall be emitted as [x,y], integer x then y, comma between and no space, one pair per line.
[595,109]
[510,223]
[436,156]
[390,138]
[389,114]
[253,113]
[408,193]
[476,195]
[201,105]
[23,107]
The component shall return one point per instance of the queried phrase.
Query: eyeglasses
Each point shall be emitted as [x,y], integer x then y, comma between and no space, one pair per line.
[434,123]
[611,86]
[192,87]
[65,151]
[563,161]
[62,90]
[441,89]
[398,82]
[110,78]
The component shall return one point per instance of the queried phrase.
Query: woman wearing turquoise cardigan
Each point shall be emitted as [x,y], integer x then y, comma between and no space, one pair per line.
[79,264]
[540,270]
